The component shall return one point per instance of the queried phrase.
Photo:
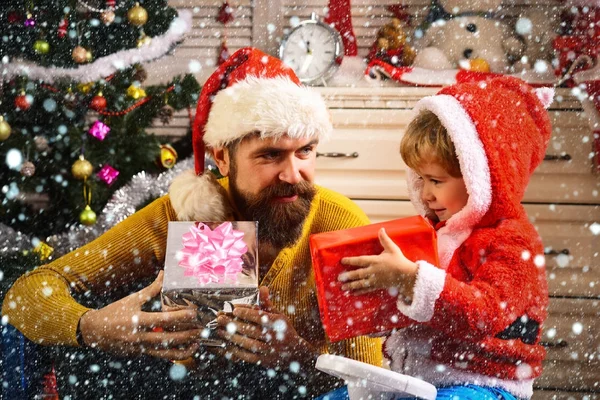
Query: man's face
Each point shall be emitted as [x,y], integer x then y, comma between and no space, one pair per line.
[271,182]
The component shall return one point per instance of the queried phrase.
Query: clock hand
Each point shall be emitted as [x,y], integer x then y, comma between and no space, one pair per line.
[306,63]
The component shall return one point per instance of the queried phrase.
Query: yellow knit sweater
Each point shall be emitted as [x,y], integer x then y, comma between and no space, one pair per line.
[40,304]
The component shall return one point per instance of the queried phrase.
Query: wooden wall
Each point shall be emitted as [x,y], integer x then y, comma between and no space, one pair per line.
[262,23]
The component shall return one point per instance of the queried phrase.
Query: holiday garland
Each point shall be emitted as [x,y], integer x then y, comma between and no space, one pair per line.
[142,188]
[101,67]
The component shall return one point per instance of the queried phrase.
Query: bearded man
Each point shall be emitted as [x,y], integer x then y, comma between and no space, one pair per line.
[262,129]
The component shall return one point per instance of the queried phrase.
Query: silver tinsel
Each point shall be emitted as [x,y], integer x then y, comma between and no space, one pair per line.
[124,202]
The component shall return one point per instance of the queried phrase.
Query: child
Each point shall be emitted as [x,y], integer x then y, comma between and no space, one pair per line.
[473,322]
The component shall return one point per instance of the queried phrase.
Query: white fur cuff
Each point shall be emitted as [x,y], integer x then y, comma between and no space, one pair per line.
[429,285]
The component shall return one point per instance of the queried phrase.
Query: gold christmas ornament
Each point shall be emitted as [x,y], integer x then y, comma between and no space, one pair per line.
[4,129]
[144,40]
[41,47]
[27,169]
[136,92]
[44,250]
[107,17]
[82,168]
[85,88]
[88,56]
[79,55]
[137,15]
[168,156]
[87,216]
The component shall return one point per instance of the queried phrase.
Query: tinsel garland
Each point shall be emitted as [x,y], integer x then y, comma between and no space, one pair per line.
[123,203]
[102,67]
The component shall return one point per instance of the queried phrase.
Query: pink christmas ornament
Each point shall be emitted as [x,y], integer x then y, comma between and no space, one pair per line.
[99,130]
[108,174]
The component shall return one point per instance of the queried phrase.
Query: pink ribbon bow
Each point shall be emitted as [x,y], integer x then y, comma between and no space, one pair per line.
[212,256]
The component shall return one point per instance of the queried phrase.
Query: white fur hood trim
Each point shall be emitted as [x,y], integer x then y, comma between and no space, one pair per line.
[473,165]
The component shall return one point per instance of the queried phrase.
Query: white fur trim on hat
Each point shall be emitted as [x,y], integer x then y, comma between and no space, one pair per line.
[474,168]
[272,106]
[199,198]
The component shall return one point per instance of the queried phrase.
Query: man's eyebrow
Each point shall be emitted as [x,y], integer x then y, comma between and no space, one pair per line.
[269,149]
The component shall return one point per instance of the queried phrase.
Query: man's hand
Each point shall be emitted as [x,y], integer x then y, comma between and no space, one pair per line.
[390,269]
[124,329]
[263,336]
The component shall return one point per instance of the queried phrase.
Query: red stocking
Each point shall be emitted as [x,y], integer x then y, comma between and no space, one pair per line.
[340,17]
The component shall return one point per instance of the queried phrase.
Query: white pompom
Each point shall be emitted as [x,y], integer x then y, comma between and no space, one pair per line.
[199,198]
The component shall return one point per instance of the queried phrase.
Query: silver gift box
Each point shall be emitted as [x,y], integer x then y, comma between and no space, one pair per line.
[210,266]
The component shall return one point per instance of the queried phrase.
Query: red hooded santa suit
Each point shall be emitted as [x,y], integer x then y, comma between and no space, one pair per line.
[476,318]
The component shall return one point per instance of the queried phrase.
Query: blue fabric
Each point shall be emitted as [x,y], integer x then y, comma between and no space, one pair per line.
[20,362]
[466,392]
[473,392]
[338,394]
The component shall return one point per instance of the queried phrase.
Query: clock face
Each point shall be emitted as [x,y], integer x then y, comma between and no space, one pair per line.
[311,50]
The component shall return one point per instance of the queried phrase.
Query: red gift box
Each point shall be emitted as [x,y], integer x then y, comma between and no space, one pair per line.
[345,315]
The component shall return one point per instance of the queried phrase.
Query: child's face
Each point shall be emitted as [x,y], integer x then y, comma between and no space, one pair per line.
[443,193]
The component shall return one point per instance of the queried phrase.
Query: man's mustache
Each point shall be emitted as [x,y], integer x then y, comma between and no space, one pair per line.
[285,189]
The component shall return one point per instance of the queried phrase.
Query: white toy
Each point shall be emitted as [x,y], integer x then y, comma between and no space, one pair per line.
[368,382]
[457,42]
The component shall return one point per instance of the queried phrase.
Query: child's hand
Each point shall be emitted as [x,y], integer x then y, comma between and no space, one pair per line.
[388,269]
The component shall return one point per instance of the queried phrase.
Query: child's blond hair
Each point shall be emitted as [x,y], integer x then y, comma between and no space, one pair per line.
[426,140]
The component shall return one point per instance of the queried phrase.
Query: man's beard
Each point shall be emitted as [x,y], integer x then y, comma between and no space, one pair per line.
[279,224]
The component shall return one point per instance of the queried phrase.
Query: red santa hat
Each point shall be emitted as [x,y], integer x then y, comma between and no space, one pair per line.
[500,129]
[251,92]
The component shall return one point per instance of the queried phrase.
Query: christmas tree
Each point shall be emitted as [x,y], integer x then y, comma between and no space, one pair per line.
[74,114]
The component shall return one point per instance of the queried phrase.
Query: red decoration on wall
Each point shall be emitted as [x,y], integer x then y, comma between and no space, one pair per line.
[581,37]
[224,16]
[399,11]
[340,17]
[223,53]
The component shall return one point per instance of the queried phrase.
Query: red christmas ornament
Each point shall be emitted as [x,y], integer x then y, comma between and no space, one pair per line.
[223,53]
[62,27]
[22,102]
[98,102]
[225,14]
[14,17]
[340,17]
[50,386]
[111,4]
